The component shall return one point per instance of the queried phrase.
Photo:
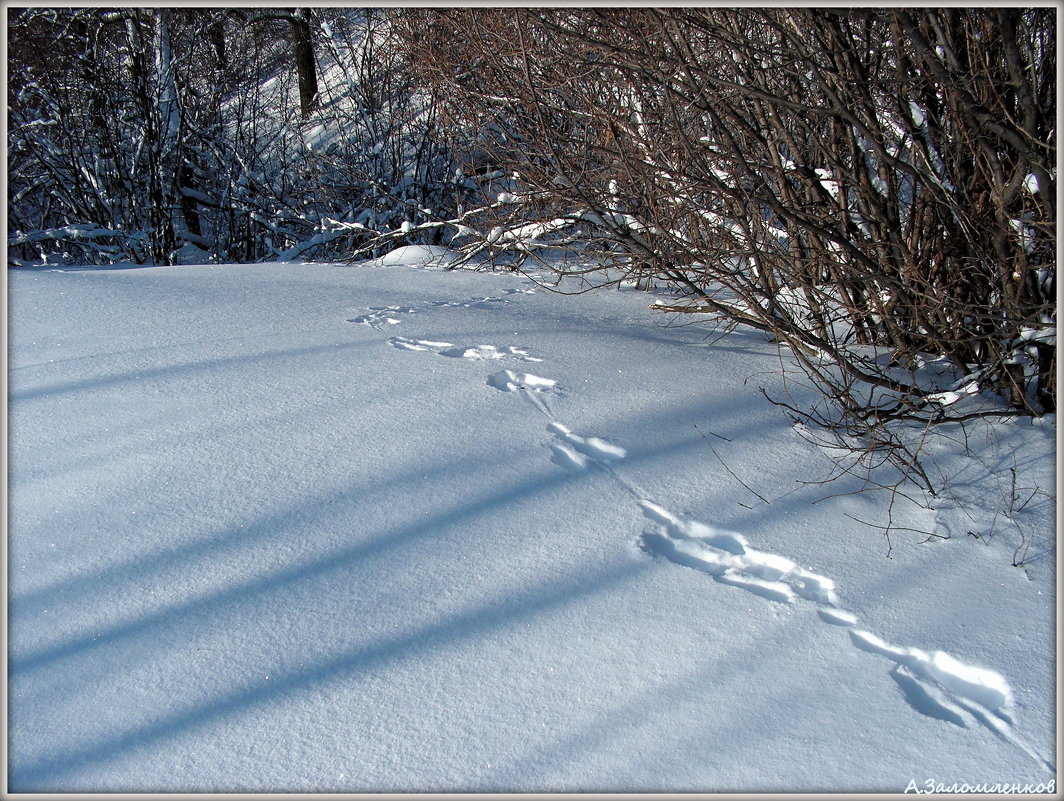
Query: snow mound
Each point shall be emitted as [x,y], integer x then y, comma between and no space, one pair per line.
[424,256]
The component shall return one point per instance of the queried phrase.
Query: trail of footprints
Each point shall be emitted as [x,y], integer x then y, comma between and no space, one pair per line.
[933,683]
[380,317]
[453,351]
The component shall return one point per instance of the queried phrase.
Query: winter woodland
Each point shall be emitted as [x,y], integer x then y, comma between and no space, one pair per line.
[832,233]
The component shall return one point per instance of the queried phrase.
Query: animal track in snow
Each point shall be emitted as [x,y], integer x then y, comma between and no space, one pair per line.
[837,617]
[380,317]
[933,683]
[487,302]
[979,685]
[565,456]
[533,387]
[926,698]
[691,529]
[509,381]
[941,686]
[472,352]
[574,452]
[728,557]
[402,343]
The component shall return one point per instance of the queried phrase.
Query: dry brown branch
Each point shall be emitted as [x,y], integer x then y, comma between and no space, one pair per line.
[873,190]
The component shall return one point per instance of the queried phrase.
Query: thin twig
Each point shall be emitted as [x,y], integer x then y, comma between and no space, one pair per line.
[892,527]
[718,436]
[730,471]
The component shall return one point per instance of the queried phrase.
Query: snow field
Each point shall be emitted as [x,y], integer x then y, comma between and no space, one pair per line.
[292,528]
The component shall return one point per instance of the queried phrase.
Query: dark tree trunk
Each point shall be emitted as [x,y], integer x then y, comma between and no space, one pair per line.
[304,58]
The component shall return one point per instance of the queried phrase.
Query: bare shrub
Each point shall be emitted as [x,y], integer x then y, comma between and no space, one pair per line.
[874,189]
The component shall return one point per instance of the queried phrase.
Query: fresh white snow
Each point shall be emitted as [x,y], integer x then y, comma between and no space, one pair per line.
[290,528]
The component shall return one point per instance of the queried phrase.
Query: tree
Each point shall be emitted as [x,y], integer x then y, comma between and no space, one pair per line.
[157,135]
[101,132]
[303,50]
